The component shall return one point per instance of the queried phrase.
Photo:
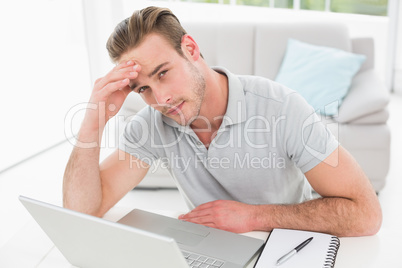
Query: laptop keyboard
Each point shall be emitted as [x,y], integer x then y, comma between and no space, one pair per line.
[200,261]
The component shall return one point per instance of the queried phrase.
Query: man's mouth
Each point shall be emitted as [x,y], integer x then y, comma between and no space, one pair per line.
[175,110]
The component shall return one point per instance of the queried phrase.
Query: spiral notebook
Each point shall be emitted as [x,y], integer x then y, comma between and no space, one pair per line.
[319,253]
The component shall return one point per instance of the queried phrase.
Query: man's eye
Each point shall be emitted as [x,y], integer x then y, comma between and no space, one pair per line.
[161,74]
[142,89]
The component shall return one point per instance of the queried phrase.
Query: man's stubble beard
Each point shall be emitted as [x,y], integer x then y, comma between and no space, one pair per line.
[198,86]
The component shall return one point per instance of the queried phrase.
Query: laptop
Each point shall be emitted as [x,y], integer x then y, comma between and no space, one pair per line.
[140,239]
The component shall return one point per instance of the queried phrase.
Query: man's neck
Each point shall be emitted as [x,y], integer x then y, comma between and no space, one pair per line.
[213,107]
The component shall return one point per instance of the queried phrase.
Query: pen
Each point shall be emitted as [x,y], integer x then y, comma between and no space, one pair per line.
[288,255]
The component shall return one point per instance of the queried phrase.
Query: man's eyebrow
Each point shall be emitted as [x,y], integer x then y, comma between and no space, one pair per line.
[133,86]
[157,68]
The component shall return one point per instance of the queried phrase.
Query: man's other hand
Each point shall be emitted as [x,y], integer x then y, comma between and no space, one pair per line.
[227,215]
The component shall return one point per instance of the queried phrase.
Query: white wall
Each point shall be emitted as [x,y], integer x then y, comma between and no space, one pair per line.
[43,73]
[398,60]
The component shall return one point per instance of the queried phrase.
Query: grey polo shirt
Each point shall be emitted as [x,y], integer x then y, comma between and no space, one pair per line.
[268,139]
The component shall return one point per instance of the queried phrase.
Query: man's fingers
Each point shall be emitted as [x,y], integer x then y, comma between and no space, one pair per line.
[98,80]
[114,86]
[198,218]
[204,213]
[123,65]
[121,74]
[207,205]
[127,90]
[222,214]
[195,214]
[118,73]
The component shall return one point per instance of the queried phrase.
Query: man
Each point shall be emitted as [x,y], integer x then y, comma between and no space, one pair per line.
[243,150]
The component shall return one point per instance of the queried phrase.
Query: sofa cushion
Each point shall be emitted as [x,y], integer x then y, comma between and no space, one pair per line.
[271,40]
[322,75]
[376,118]
[368,94]
[364,46]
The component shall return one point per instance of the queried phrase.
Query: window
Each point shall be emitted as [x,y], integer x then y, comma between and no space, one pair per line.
[368,7]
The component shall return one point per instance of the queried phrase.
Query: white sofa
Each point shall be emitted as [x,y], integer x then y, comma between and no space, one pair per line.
[258,49]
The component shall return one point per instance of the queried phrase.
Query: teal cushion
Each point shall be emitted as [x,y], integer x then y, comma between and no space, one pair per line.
[322,75]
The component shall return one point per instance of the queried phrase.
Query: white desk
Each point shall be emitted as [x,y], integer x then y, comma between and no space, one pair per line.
[35,249]
[24,245]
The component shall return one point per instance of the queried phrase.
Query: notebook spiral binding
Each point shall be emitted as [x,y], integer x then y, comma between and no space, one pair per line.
[332,252]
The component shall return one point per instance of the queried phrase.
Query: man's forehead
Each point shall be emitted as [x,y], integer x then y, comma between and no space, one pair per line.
[131,55]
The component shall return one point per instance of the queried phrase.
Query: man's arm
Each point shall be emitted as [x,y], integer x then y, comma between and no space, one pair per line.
[92,188]
[348,206]
[88,187]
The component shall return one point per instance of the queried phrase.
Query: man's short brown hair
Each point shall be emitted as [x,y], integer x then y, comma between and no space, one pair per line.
[129,33]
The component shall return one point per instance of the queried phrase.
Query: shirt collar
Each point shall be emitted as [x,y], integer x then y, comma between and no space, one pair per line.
[236,109]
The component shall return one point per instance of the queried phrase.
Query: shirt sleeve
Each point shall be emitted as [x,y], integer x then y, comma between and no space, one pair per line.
[305,139]
[136,139]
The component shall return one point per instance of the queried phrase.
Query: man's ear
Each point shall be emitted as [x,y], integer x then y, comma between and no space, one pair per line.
[190,47]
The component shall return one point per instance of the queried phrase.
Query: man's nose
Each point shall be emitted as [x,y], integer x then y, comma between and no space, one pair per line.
[162,96]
